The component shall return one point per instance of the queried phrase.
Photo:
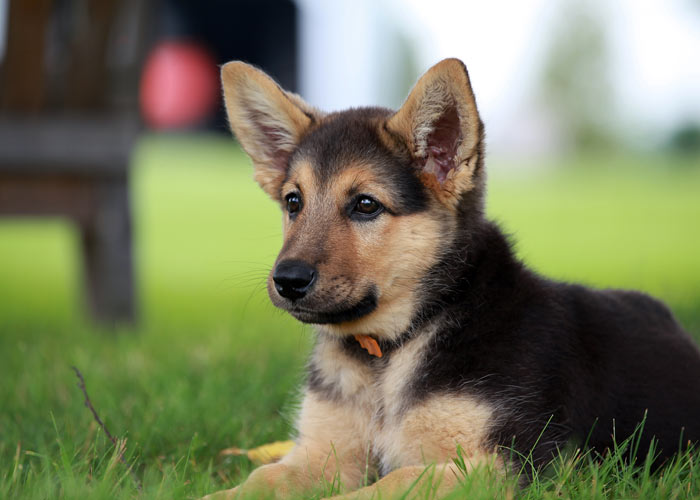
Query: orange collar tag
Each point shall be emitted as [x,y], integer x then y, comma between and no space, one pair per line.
[369,344]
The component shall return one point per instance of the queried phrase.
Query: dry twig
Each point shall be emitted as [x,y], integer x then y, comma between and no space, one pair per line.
[117,445]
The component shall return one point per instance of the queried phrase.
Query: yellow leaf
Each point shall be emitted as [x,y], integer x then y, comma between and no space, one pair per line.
[264,454]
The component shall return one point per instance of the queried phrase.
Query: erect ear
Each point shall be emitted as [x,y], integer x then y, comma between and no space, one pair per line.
[440,124]
[268,122]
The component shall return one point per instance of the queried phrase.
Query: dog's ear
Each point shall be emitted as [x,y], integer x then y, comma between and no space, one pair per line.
[440,125]
[268,122]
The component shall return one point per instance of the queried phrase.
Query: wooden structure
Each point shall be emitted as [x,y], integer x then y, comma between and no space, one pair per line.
[68,123]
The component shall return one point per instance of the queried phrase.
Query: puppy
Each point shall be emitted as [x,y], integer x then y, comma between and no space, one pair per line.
[430,333]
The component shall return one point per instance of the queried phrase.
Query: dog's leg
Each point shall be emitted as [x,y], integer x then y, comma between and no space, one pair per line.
[415,480]
[332,446]
[441,479]
[269,481]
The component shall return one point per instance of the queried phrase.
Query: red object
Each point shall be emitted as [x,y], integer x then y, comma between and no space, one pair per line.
[179,85]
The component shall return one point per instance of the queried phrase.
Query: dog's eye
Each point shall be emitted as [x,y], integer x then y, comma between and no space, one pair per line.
[293,203]
[367,207]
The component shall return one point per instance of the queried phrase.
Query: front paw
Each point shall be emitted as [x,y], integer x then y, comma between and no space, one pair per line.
[272,481]
[223,494]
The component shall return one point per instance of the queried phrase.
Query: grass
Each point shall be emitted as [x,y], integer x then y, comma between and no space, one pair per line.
[212,364]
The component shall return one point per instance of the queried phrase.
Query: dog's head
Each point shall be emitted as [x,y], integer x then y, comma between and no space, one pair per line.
[371,198]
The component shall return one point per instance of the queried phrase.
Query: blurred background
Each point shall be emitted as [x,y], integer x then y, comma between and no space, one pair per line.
[121,188]
[127,207]
[107,106]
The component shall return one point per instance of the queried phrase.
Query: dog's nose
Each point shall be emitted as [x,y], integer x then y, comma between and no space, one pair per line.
[293,278]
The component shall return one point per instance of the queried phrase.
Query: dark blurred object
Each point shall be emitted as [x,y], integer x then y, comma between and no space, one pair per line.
[260,32]
[576,78]
[686,139]
[68,122]
[179,86]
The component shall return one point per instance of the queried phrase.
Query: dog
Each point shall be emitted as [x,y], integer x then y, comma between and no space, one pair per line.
[432,337]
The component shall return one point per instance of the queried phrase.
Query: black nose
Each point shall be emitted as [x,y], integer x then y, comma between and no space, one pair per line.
[293,278]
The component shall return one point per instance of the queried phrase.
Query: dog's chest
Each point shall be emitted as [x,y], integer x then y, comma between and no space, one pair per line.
[378,393]
[394,398]
[379,408]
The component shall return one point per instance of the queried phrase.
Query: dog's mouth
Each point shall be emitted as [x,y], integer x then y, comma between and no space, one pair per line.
[334,316]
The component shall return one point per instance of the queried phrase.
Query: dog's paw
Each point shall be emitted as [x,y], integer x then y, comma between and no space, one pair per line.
[223,494]
[272,481]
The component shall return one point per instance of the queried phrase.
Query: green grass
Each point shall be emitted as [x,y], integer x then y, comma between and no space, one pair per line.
[212,364]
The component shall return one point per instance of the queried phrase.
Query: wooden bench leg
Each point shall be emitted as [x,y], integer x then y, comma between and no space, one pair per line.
[108,258]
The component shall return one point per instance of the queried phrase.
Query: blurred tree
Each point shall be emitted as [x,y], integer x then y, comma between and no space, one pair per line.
[576,86]
[409,67]
[686,139]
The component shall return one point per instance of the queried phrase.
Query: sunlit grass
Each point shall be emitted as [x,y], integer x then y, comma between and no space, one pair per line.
[212,364]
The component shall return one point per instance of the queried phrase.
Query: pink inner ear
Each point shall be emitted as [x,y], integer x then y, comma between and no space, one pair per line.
[274,140]
[442,144]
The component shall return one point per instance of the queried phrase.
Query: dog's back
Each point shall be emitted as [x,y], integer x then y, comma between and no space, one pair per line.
[645,365]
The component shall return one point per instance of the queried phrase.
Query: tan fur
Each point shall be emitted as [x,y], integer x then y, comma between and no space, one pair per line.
[255,104]
[391,253]
[402,440]
[458,181]
[395,253]
[427,433]
[361,177]
[368,426]
[332,438]
[305,238]
[445,84]
[431,432]
[403,364]
[416,481]
[440,480]
[301,175]
[353,377]
[369,423]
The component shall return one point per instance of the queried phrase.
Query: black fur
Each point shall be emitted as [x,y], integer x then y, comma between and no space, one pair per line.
[361,308]
[349,137]
[559,362]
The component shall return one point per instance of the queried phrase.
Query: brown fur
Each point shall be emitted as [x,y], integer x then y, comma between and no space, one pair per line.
[364,424]
[442,86]
[370,418]
[385,237]
[352,252]
[267,120]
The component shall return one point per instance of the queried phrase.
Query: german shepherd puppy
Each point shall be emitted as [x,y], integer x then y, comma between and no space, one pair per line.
[430,333]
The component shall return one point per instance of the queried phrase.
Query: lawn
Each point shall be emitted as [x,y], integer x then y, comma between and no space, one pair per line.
[212,364]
